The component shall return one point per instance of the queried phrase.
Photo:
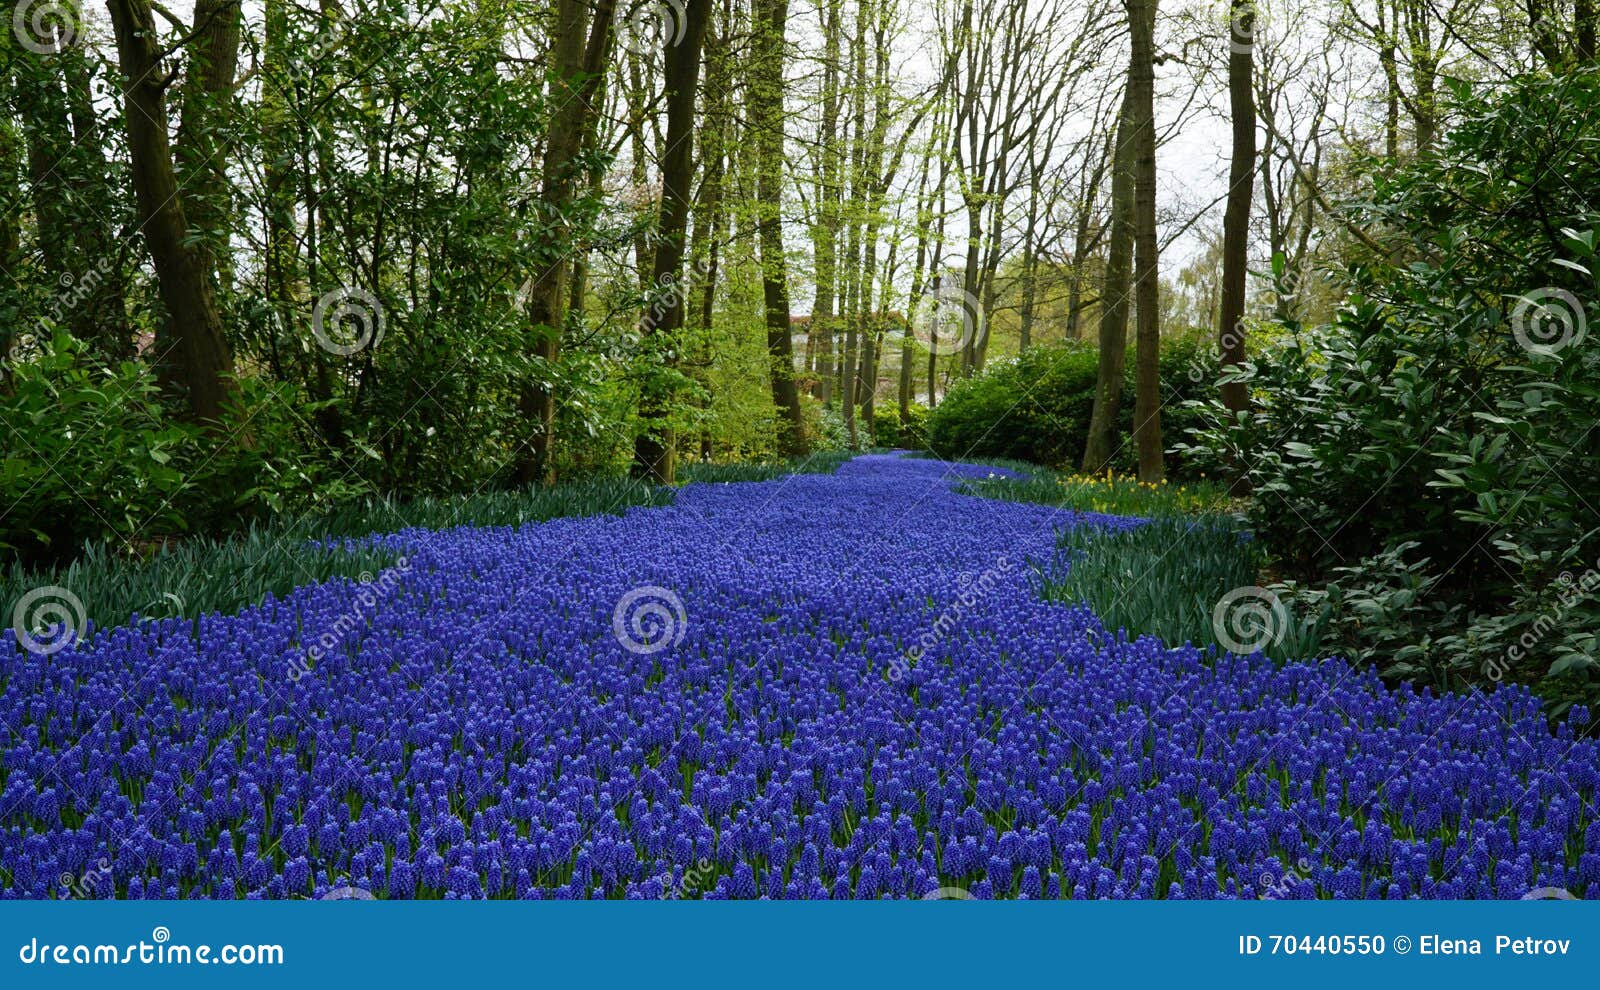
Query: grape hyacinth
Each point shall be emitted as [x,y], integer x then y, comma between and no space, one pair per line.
[482,730]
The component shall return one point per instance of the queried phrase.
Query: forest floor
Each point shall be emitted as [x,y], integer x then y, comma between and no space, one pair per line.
[841,685]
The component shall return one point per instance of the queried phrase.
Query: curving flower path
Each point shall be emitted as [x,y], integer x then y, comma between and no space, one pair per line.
[821,686]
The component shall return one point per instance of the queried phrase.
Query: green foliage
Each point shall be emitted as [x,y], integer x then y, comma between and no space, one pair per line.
[1023,468]
[821,462]
[92,456]
[1167,577]
[1432,447]
[889,431]
[1033,408]
[199,575]
[1037,406]
[1116,494]
[98,458]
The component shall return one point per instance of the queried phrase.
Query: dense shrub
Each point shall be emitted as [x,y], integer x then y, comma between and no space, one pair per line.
[97,457]
[1037,406]
[1434,443]
[889,431]
[1033,408]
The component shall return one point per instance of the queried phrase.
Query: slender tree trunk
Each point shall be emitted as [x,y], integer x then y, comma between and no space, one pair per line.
[825,229]
[915,300]
[1236,218]
[1147,375]
[849,370]
[184,283]
[203,121]
[1100,445]
[1583,30]
[577,72]
[766,114]
[654,448]
[1388,60]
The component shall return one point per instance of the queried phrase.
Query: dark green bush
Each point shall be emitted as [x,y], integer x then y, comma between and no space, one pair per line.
[1032,408]
[1037,406]
[1435,444]
[90,455]
[97,458]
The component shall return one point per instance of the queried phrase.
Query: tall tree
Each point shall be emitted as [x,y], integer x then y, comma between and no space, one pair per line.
[825,209]
[182,276]
[1146,267]
[769,27]
[1236,217]
[577,70]
[1100,444]
[654,450]
[204,120]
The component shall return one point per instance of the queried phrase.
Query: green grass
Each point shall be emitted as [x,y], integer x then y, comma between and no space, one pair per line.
[1186,580]
[1117,495]
[200,574]
[1167,577]
[1024,468]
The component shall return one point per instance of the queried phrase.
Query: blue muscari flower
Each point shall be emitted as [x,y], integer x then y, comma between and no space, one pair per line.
[1097,755]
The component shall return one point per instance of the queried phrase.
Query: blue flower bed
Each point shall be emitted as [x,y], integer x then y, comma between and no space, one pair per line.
[819,686]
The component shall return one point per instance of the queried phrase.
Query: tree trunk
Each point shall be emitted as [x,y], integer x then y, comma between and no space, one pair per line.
[766,115]
[1236,219]
[1101,442]
[1147,375]
[825,231]
[654,448]
[206,363]
[1583,30]
[577,74]
[214,65]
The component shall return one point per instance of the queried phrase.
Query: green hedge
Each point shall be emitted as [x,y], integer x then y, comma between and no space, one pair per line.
[1036,407]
